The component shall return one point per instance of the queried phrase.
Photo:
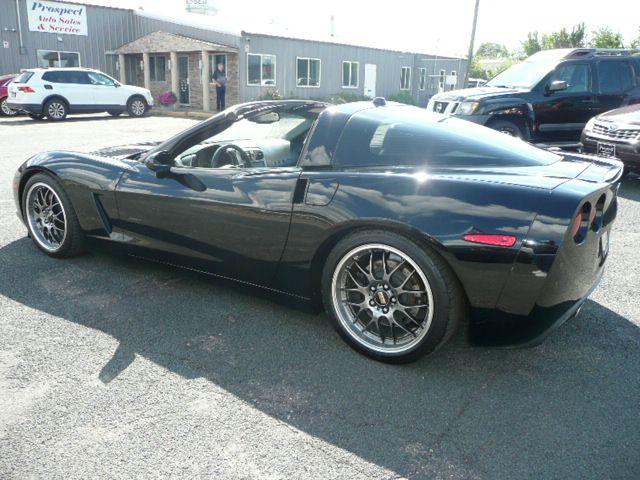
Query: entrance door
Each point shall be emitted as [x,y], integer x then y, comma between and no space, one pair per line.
[369,80]
[183,79]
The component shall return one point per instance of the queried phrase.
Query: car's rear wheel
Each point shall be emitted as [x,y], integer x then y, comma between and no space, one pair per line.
[56,110]
[137,107]
[36,116]
[114,113]
[5,110]
[50,217]
[389,297]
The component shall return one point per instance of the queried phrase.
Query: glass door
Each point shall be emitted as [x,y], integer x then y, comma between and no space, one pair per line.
[183,79]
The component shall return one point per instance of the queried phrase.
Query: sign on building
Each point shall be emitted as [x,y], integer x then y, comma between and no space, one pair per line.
[54,17]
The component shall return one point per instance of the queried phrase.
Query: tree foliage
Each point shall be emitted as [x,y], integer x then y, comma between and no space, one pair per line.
[492,50]
[605,37]
[532,44]
[565,39]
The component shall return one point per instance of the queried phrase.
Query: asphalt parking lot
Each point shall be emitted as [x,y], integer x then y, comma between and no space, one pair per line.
[112,368]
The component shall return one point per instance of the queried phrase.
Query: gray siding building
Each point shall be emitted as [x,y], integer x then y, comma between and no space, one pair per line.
[179,54]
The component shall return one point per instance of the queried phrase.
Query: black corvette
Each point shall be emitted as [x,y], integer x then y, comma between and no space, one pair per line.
[402,224]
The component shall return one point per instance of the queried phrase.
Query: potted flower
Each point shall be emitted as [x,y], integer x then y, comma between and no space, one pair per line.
[168,99]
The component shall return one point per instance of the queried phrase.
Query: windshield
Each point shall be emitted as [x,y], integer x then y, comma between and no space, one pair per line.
[523,75]
[285,128]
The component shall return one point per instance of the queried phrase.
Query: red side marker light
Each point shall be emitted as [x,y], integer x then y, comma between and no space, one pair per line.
[491,239]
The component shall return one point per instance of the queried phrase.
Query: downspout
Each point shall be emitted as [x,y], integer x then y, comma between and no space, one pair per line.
[21,46]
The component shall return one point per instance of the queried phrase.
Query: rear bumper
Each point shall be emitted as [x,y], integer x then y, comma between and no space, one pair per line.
[628,153]
[25,107]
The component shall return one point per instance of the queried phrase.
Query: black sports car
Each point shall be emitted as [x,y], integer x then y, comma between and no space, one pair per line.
[400,222]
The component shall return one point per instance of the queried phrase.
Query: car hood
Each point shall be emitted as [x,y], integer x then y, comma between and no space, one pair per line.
[629,115]
[478,93]
[125,151]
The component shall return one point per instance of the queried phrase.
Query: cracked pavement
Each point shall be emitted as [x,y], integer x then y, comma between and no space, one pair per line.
[115,368]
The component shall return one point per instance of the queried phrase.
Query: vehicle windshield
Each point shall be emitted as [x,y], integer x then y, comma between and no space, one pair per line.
[527,74]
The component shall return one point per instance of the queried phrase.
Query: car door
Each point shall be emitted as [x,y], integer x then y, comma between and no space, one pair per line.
[105,91]
[74,86]
[615,79]
[561,115]
[229,220]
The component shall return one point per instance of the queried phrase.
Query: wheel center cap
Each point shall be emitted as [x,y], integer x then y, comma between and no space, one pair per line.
[381,298]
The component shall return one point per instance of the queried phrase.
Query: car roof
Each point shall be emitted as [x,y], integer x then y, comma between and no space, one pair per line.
[59,69]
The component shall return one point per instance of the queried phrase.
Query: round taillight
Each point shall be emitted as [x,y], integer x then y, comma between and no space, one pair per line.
[597,214]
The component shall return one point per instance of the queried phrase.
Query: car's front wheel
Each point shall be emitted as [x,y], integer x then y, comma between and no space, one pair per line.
[50,217]
[137,107]
[389,297]
[56,110]
[5,110]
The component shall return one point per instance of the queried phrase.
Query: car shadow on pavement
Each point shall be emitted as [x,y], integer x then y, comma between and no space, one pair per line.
[565,409]
[23,121]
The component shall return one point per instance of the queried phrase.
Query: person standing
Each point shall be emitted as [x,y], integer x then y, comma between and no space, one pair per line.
[220,80]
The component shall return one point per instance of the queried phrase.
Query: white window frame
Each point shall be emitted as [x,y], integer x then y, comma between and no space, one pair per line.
[275,65]
[155,68]
[309,71]
[422,85]
[212,67]
[59,52]
[401,71]
[442,79]
[351,64]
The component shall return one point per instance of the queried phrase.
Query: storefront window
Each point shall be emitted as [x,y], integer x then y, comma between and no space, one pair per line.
[52,58]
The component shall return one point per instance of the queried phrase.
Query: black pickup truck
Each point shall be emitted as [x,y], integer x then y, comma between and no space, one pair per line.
[550,97]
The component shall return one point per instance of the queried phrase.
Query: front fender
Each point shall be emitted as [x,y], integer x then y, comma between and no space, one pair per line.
[513,107]
[88,180]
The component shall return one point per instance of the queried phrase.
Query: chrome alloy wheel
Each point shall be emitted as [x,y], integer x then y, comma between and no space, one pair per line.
[6,110]
[382,298]
[55,110]
[46,217]
[138,108]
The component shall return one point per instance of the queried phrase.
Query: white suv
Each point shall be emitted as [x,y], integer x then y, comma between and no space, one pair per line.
[56,92]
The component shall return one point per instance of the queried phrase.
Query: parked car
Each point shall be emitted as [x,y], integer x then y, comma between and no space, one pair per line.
[550,96]
[56,92]
[615,134]
[4,109]
[363,207]
[476,82]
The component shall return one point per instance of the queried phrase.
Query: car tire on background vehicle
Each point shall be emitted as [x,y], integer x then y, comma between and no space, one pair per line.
[508,128]
[50,217]
[363,290]
[36,116]
[56,109]
[5,110]
[114,113]
[137,106]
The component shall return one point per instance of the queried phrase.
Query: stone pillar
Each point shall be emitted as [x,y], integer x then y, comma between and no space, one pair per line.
[146,71]
[123,68]
[205,81]
[173,59]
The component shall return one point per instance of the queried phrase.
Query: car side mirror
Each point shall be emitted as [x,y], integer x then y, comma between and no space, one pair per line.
[160,162]
[117,85]
[557,86]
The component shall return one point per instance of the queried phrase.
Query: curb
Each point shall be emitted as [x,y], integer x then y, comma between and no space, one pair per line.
[178,113]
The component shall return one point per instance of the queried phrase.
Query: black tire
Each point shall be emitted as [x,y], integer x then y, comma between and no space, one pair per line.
[508,128]
[5,111]
[73,242]
[449,301]
[56,109]
[36,116]
[137,106]
[114,113]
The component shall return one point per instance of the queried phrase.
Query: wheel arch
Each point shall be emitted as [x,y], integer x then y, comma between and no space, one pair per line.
[136,95]
[343,230]
[25,178]
[56,96]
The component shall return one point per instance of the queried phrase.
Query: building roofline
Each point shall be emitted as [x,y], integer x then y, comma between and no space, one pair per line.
[245,33]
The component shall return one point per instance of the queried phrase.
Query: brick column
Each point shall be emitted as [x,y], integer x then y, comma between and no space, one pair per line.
[173,59]
[146,71]
[123,68]
[205,80]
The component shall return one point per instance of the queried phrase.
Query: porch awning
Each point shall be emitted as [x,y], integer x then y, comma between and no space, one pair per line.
[161,42]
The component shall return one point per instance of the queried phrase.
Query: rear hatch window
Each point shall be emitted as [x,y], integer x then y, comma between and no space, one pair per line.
[23,77]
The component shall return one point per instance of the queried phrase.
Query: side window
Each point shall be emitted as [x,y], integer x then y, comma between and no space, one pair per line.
[100,79]
[577,76]
[614,77]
